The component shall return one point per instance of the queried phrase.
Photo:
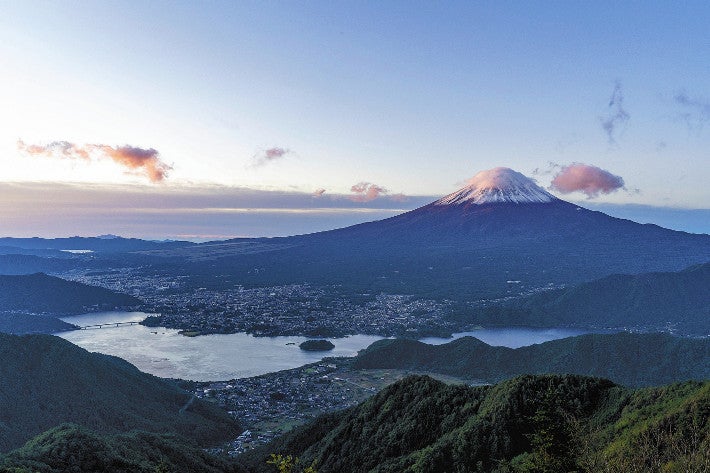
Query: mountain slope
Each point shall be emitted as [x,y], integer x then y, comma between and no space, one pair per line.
[46,381]
[48,294]
[529,423]
[680,300]
[463,247]
[629,359]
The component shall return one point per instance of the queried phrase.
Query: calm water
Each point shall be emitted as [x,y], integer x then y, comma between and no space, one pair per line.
[164,352]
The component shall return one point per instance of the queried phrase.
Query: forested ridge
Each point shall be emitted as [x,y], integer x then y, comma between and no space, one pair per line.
[679,300]
[626,358]
[58,296]
[526,424]
[46,381]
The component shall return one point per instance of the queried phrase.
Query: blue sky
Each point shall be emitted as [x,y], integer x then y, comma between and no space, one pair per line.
[414,97]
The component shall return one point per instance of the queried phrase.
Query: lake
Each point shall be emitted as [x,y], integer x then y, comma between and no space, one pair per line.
[164,352]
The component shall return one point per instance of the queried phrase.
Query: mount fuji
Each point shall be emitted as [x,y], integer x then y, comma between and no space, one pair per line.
[500,235]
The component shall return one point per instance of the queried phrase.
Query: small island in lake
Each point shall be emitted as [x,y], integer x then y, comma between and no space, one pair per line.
[316,345]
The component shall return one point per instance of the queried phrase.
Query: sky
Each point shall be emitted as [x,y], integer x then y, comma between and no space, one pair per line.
[206,120]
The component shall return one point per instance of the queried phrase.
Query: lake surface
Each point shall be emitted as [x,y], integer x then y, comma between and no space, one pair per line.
[164,352]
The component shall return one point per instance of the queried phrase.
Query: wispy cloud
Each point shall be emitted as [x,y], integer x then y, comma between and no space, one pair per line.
[585,178]
[266,156]
[696,110]
[137,160]
[318,192]
[617,117]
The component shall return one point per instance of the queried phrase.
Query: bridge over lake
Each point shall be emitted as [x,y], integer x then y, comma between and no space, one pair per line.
[108,325]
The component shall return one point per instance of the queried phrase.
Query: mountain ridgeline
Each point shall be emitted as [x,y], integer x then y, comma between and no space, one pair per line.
[46,381]
[625,358]
[676,300]
[526,424]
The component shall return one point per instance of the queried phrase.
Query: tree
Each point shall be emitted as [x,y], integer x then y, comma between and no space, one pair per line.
[286,464]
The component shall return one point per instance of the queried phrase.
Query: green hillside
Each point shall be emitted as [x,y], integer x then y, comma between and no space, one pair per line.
[526,424]
[46,381]
[677,299]
[625,358]
[41,293]
[69,448]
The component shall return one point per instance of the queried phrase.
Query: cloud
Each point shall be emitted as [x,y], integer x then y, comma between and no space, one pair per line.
[696,110]
[366,191]
[138,160]
[269,155]
[63,149]
[617,117]
[318,192]
[590,180]
[399,197]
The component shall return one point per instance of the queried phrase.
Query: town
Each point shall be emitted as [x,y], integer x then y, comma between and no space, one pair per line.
[272,404]
[295,309]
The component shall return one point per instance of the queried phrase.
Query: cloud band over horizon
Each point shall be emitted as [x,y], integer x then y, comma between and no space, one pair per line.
[197,213]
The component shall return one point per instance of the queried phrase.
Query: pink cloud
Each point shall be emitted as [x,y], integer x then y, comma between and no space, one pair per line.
[590,180]
[318,192]
[140,160]
[366,191]
[269,155]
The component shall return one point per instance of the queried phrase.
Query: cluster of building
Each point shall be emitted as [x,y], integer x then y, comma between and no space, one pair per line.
[271,404]
[300,310]
[294,309]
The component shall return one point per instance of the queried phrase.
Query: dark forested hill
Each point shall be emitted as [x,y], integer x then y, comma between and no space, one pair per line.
[46,381]
[677,299]
[70,447]
[20,324]
[625,358]
[526,424]
[41,293]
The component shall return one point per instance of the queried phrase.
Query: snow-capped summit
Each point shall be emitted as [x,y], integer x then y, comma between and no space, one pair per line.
[498,185]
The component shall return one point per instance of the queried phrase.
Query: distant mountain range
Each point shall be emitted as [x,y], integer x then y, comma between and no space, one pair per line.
[672,300]
[46,381]
[526,424]
[103,243]
[625,358]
